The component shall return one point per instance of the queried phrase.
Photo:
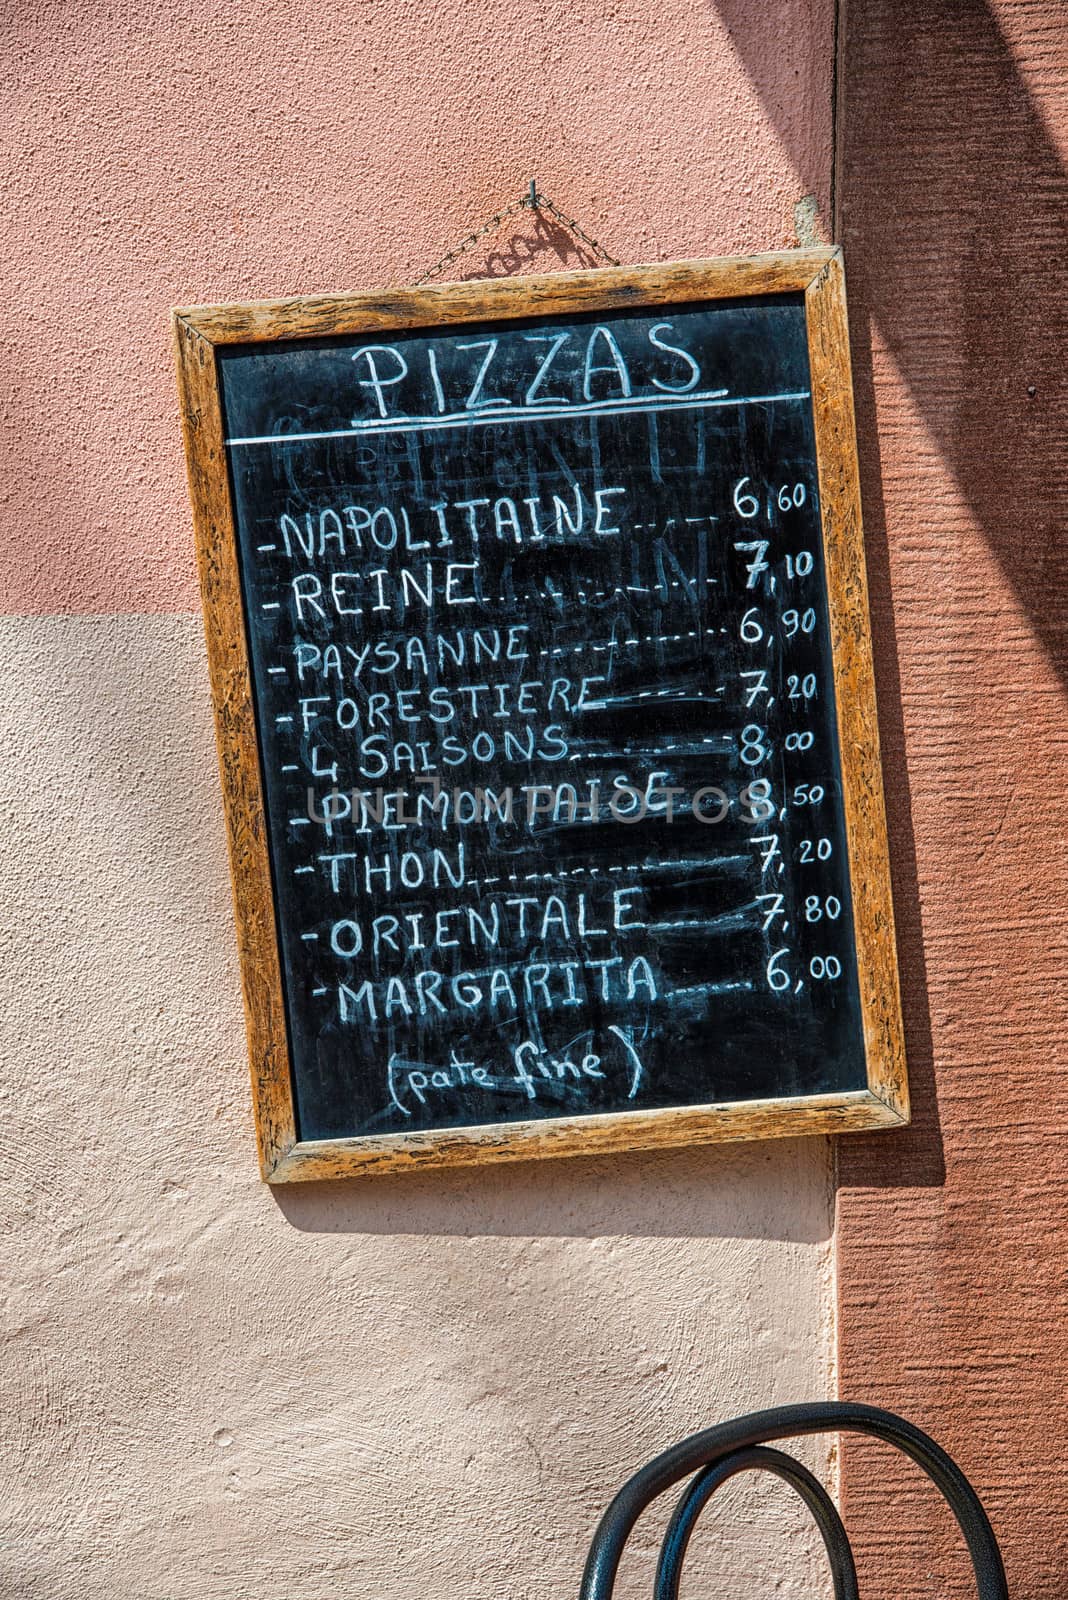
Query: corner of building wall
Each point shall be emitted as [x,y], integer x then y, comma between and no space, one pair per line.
[830,1268]
[838,38]
[831,1264]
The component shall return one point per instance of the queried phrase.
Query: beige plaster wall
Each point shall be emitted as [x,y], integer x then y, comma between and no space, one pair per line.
[212,1388]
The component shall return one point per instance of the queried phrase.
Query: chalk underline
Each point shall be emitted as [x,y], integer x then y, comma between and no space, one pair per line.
[496,415]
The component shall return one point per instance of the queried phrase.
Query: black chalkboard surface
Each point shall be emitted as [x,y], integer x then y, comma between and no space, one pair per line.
[539,619]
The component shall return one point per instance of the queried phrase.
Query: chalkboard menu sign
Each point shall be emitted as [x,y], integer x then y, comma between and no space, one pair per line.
[538,632]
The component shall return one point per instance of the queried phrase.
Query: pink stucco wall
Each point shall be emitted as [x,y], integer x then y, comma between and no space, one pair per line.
[165,154]
[356,1389]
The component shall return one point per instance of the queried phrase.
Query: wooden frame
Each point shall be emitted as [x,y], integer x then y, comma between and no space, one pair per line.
[198,333]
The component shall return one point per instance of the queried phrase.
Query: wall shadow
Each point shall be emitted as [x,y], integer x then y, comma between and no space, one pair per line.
[954,220]
[913,1157]
[802,113]
[953,214]
[959,248]
[776,1190]
[529,241]
[957,254]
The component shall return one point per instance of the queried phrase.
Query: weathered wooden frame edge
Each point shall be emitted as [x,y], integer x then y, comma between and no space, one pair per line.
[198,331]
[854,685]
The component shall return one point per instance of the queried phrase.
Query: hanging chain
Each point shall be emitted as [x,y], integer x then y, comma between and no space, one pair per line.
[533,200]
[541,202]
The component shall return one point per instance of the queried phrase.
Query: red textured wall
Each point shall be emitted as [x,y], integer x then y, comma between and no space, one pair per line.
[953,1239]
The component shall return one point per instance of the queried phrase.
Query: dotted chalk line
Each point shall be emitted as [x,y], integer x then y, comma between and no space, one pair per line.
[634,643]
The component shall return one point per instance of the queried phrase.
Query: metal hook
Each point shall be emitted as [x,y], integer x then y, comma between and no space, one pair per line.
[532,198]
